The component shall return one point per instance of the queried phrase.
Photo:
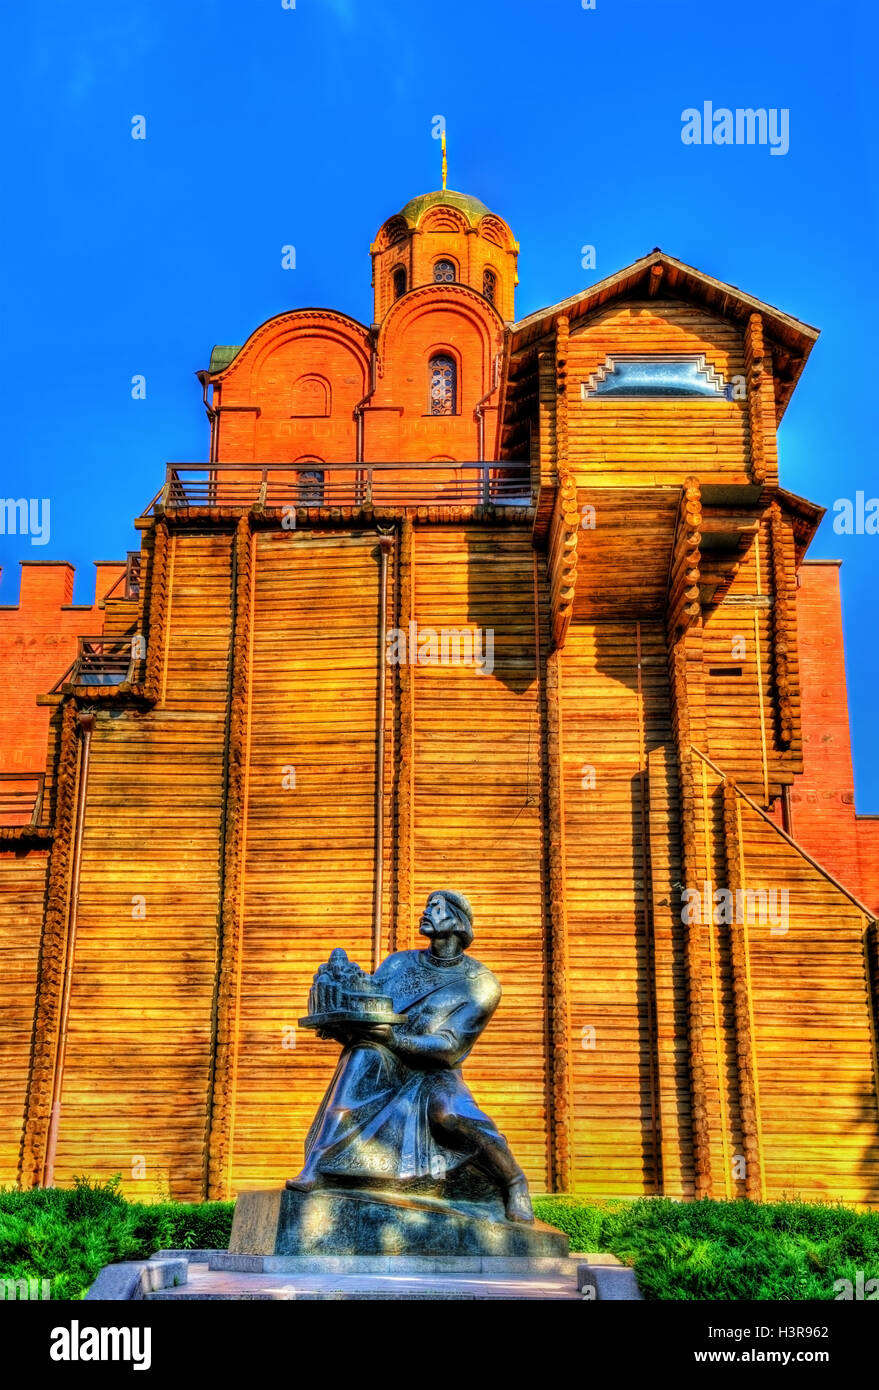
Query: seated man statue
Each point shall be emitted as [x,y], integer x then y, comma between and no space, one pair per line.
[397,1109]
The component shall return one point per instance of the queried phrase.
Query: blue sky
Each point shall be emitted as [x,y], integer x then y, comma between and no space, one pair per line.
[268,126]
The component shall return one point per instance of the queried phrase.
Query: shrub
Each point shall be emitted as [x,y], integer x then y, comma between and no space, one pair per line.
[679,1250]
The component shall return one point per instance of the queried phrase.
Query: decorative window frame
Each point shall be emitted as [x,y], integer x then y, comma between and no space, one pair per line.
[440,350]
[720,388]
[452,260]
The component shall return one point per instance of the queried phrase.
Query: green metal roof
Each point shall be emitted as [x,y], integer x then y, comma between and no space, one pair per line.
[472,209]
[222,356]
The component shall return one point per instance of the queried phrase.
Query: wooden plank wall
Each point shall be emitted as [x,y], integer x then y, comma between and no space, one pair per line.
[308,883]
[609,729]
[742,709]
[22,903]
[795,1047]
[477,788]
[655,441]
[139,1051]
[815,1048]
[789,1062]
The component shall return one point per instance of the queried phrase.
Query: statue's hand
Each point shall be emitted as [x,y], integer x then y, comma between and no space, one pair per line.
[379,1032]
[339,1035]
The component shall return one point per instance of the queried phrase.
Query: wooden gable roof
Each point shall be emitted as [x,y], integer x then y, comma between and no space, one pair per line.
[789,339]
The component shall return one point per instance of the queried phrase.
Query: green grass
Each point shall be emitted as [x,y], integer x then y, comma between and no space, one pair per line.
[679,1250]
[725,1250]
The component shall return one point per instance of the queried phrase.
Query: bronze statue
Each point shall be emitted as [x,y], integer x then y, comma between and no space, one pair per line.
[397,1110]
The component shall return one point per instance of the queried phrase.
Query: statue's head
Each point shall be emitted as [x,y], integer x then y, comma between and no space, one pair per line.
[448,914]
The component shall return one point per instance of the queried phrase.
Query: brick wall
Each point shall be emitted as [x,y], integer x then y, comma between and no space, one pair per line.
[824,820]
[37,643]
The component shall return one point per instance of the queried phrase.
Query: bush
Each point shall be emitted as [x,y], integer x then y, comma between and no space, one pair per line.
[679,1250]
[725,1250]
[67,1235]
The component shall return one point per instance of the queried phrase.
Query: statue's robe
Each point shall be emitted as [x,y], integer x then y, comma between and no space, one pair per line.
[375,1119]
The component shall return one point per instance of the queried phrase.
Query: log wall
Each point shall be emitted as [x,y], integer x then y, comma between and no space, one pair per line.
[478,752]
[139,1055]
[308,870]
[22,905]
[615,710]
[229,845]
[656,441]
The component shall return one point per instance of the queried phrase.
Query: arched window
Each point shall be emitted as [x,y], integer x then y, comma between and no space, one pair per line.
[399,278]
[489,285]
[310,482]
[444,272]
[443,385]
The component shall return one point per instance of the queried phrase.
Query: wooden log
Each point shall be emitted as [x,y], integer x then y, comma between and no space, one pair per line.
[156,592]
[745,1047]
[404,930]
[782,625]
[53,953]
[237,758]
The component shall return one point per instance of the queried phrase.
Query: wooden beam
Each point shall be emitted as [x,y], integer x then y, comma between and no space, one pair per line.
[218,1177]
[783,633]
[53,952]
[561,1107]
[405,776]
[686,672]
[157,591]
[746,1054]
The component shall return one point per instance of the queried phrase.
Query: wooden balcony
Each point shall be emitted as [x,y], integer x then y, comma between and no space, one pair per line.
[100,661]
[279,485]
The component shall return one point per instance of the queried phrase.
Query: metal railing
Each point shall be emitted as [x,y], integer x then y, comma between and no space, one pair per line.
[343,484]
[99,661]
[21,798]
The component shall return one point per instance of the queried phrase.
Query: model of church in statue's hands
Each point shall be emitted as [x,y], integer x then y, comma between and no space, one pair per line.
[343,993]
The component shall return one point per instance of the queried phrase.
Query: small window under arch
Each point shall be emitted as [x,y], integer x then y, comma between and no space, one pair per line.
[399,279]
[311,482]
[443,385]
[444,272]
[489,285]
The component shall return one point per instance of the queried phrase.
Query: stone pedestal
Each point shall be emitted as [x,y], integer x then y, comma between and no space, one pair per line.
[345,1221]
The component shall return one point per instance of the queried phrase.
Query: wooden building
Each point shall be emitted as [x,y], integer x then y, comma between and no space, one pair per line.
[508,607]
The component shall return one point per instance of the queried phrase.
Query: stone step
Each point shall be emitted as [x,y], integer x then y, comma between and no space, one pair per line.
[205,1283]
[219,1275]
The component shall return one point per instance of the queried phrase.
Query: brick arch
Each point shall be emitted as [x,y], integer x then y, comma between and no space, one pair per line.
[443,219]
[495,230]
[293,388]
[395,230]
[452,319]
[309,328]
[453,300]
[286,327]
